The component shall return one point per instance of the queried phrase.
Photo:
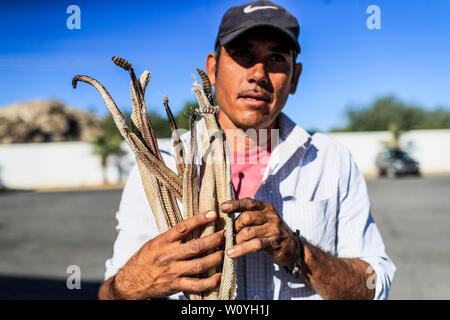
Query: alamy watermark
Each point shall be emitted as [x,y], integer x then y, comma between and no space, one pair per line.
[74,280]
[374,20]
[260,143]
[74,20]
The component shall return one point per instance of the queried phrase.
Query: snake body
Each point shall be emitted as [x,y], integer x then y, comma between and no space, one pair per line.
[221,169]
[162,186]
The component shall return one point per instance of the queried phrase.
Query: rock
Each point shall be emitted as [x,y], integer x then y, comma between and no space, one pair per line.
[46,121]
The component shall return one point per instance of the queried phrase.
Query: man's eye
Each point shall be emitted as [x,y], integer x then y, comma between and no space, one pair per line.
[277,58]
[241,54]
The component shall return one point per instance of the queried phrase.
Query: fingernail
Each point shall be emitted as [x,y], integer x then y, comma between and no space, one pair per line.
[210,215]
[226,207]
[230,252]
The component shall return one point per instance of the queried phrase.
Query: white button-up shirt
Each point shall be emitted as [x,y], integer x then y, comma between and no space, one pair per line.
[314,184]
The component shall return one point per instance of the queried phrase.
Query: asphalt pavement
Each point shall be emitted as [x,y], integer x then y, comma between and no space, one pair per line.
[413,216]
[43,233]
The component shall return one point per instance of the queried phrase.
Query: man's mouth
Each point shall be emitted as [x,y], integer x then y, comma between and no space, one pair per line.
[255,99]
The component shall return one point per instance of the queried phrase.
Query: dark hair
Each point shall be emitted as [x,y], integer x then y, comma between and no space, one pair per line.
[218,49]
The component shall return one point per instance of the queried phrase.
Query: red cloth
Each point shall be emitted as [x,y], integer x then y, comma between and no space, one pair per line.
[247,170]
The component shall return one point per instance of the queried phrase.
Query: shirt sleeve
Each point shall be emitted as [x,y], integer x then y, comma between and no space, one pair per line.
[358,235]
[136,224]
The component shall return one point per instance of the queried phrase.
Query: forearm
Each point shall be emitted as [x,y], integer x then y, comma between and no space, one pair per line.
[336,278]
[167,264]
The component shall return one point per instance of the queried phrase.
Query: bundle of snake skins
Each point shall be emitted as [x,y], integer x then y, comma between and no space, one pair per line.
[163,187]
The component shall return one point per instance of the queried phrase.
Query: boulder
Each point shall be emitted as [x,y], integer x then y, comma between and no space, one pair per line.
[46,121]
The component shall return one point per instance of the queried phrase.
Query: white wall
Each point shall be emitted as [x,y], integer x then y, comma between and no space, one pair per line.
[364,147]
[430,147]
[72,164]
[63,164]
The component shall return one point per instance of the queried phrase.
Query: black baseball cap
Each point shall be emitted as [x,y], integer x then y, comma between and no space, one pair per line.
[255,14]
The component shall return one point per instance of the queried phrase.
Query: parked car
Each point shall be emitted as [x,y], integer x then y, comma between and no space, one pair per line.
[394,162]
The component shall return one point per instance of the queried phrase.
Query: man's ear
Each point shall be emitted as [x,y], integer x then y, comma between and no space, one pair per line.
[211,67]
[294,82]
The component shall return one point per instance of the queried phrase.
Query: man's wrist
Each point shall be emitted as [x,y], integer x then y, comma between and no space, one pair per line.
[296,267]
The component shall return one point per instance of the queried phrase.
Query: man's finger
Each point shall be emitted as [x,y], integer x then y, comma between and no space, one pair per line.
[246,204]
[254,245]
[185,227]
[200,265]
[198,246]
[251,232]
[249,218]
[197,285]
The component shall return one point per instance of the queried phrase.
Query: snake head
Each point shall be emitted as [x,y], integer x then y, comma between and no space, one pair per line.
[75,81]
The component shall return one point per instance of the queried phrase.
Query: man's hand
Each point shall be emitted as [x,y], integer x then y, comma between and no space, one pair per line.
[259,227]
[164,265]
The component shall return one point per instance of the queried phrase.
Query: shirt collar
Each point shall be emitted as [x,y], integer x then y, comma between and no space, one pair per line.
[291,138]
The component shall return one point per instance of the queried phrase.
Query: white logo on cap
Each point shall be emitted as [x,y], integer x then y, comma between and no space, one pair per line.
[250,8]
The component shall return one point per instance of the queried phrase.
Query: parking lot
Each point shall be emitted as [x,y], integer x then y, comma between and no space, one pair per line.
[42,233]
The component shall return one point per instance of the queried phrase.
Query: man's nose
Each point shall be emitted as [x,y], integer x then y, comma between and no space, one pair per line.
[257,74]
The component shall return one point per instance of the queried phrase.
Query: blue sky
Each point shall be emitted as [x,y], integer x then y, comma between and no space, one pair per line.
[343,61]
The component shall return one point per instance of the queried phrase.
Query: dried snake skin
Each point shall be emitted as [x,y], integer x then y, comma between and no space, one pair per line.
[222,174]
[163,186]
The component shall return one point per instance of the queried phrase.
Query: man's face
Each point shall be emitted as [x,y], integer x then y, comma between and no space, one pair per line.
[255,74]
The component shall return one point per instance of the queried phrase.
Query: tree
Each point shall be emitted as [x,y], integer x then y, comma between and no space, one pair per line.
[396,132]
[390,113]
[438,118]
[107,143]
[183,116]
[161,126]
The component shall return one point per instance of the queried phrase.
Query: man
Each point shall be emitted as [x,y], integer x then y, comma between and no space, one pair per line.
[304,230]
